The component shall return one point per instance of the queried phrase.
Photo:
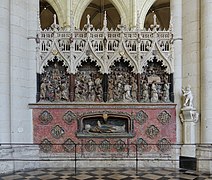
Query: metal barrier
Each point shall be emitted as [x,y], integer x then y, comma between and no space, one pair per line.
[131,152]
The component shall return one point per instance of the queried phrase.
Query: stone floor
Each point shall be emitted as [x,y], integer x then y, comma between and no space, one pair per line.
[107,174]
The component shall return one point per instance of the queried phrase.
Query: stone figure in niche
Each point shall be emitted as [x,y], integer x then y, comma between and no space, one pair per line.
[77,90]
[65,91]
[43,89]
[154,92]
[91,91]
[165,96]
[80,88]
[56,73]
[145,92]
[50,92]
[57,94]
[118,86]
[188,101]
[55,83]
[98,89]
[127,94]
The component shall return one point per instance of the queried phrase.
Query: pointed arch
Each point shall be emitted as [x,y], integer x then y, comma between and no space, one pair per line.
[159,57]
[144,10]
[59,10]
[81,6]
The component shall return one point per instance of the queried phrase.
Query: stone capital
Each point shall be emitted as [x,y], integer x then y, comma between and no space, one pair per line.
[189,114]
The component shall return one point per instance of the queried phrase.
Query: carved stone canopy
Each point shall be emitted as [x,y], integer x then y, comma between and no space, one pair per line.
[120,54]
[105,46]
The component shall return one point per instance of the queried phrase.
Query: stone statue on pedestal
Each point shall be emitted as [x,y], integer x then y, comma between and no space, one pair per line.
[189,118]
[188,101]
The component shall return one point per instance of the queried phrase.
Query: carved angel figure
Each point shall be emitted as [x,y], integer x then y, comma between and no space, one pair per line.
[188,96]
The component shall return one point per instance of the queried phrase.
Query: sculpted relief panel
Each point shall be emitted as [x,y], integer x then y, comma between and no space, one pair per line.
[155,83]
[55,84]
[120,85]
[88,87]
[88,83]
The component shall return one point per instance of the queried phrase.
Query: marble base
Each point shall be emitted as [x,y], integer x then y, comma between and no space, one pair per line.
[6,166]
[56,160]
[25,157]
[204,156]
[188,150]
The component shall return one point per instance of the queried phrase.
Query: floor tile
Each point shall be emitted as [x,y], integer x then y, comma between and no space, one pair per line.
[107,174]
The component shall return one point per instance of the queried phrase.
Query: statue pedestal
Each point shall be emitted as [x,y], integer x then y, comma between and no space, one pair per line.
[189,118]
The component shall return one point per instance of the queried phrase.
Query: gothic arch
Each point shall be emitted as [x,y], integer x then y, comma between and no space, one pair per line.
[159,57]
[59,10]
[51,58]
[93,59]
[144,10]
[117,58]
[120,7]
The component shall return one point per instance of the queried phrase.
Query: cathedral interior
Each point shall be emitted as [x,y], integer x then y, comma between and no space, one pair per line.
[94,84]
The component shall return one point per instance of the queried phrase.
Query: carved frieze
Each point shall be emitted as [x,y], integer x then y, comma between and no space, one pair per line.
[155,83]
[54,83]
[164,117]
[141,117]
[120,145]
[90,146]
[88,88]
[152,131]
[122,84]
[69,117]
[46,146]
[105,146]
[69,145]
[142,144]
[88,83]
[57,132]
[164,145]
[45,117]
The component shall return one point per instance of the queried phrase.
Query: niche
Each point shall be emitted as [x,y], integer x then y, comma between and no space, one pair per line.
[105,124]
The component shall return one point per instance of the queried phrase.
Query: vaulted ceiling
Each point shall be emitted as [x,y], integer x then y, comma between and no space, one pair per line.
[162,10]
[96,11]
[46,14]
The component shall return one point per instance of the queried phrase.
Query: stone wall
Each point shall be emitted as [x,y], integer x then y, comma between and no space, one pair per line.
[56,126]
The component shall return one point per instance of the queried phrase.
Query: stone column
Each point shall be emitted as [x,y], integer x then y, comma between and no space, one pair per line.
[5,72]
[206,71]
[176,13]
[5,101]
[205,151]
